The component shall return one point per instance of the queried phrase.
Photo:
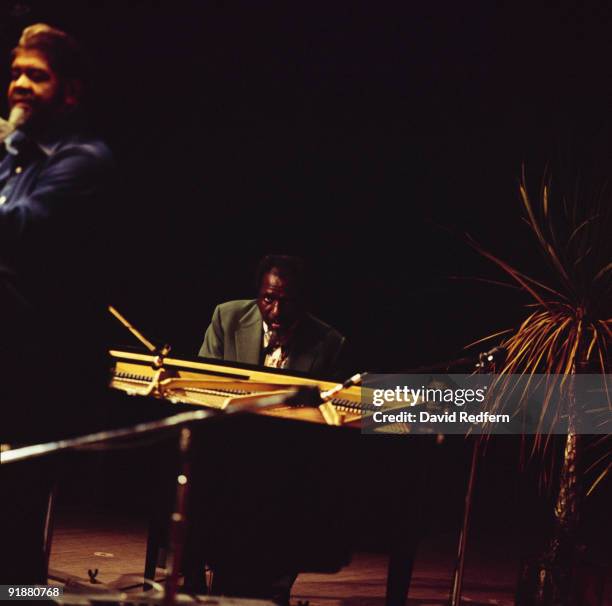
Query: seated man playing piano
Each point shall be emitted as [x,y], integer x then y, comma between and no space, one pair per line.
[274,330]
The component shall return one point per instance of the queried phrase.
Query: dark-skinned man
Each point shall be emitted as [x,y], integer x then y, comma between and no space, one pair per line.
[274,330]
[52,353]
[54,178]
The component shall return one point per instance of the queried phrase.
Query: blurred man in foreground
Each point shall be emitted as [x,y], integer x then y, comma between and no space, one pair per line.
[52,354]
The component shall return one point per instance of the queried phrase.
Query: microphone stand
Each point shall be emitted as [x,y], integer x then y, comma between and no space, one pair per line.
[486,362]
[178,519]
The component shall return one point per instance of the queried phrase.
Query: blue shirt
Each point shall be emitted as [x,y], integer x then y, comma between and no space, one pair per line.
[48,186]
[53,210]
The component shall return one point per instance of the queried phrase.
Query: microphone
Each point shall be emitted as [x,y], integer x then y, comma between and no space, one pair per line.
[327,409]
[314,397]
[309,396]
[493,357]
[357,379]
[18,117]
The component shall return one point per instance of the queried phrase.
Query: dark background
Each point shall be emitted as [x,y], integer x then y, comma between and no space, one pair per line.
[365,136]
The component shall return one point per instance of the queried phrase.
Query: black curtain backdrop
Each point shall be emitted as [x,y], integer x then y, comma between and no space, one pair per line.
[366,137]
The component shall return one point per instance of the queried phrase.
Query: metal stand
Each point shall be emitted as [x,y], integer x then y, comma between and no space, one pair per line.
[455,598]
[178,519]
[487,362]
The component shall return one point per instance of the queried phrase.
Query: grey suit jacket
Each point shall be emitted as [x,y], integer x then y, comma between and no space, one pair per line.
[235,334]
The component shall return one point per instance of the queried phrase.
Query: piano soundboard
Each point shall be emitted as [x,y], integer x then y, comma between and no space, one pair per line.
[215,385]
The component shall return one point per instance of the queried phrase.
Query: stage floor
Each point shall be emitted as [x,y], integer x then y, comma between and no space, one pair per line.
[114,544]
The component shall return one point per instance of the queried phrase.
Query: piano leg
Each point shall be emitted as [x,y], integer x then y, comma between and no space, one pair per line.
[399,572]
[164,460]
[155,539]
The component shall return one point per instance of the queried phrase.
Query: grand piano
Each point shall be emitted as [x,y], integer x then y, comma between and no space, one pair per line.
[290,488]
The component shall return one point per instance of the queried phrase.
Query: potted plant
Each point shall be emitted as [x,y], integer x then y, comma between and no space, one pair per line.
[565,334]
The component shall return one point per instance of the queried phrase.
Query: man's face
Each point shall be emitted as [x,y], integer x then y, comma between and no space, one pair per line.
[34,87]
[278,302]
